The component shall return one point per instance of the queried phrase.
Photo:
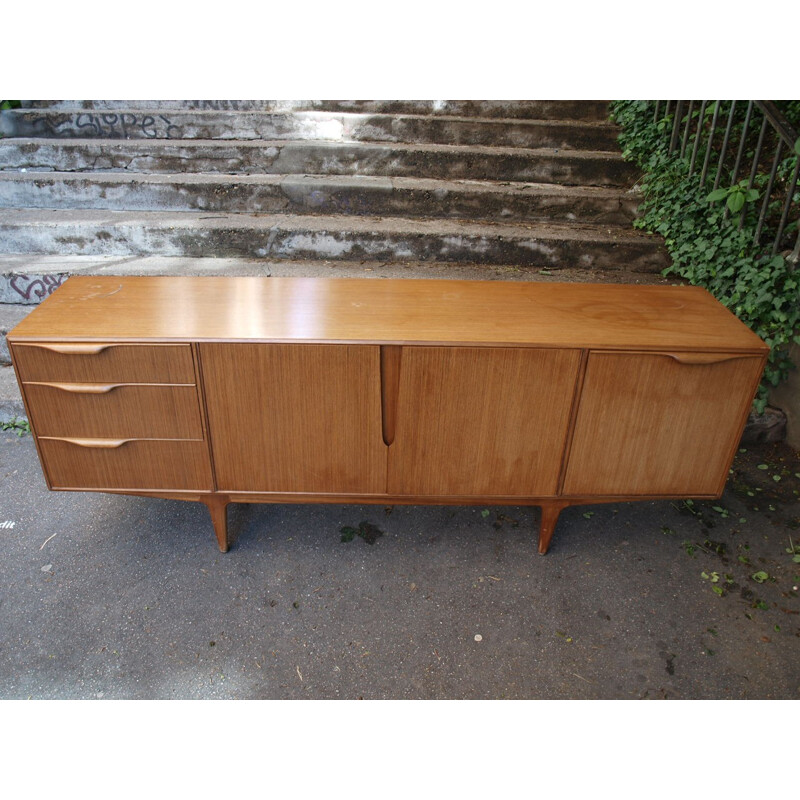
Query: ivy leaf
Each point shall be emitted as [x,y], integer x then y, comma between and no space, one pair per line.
[717,194]
[735,201]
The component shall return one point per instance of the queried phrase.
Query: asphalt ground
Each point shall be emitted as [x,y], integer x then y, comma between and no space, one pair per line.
[114,597]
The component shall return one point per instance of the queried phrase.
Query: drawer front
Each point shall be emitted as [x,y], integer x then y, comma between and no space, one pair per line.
[128,363]
[117,411]
[134,464]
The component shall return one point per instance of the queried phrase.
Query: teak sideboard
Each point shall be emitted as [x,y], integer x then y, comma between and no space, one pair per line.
[225,390]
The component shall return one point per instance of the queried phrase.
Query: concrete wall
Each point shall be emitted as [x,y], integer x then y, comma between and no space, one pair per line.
[787,397]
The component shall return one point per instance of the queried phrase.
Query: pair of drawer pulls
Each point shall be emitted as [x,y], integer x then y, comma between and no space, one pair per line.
[96,388]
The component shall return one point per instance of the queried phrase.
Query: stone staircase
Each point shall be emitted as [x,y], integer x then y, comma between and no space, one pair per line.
[475,189]
[535,184]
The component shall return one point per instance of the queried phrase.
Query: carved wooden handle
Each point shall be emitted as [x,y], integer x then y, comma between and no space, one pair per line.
[105,444]
[75,349]
[705,358]
[81,388]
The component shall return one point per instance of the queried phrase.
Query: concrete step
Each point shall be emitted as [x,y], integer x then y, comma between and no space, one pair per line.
[311,237]
[316,194]
[311,126]
[55,269]
[26,280]
[10,315]
[11,406]
[567,167]
[592,110]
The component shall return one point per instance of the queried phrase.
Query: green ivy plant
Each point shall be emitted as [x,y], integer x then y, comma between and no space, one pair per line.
[19,426]
[707,245]
[735,196]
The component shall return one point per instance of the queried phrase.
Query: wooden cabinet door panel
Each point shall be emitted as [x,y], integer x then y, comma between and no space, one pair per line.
[481,420]
[295,418]
[654,424]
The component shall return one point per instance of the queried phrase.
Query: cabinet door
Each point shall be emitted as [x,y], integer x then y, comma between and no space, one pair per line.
[657,423]
[481,421]
[295,418]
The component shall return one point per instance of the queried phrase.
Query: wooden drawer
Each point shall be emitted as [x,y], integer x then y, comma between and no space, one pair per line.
[117,411]
[129,363]
[153,464]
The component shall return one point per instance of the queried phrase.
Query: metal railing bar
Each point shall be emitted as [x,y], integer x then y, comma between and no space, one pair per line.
[686,129]
[754,169]
[765,204]
[710,142]
[676,124]
[725,141]
[773,114]
[786,206]
[740,152]
[697,136]
[655,116]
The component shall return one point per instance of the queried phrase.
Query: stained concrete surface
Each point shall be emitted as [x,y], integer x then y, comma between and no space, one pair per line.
[105,596]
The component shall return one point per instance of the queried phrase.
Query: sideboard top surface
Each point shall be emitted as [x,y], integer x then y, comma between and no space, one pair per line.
[376,310]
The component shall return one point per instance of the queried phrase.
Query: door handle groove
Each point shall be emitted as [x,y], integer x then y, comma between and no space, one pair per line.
[390,388]
[103,444]
[705,358]
[81,388]
[73,349]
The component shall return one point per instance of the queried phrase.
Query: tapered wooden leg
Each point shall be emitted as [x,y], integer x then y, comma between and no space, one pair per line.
[218,508]
[550,512]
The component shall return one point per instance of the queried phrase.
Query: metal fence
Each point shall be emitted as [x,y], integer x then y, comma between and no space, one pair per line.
[720,138]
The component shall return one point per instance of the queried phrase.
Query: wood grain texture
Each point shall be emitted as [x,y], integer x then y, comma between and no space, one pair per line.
[391,357]
[343,310]
[426,500]
[650,425]
[137,464]
[290,418]
[217,505]
[198,373]
[128,363]
[134,411]
[481,421]
[385,391]
[547,524]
